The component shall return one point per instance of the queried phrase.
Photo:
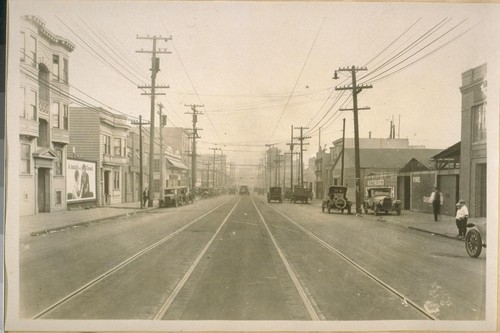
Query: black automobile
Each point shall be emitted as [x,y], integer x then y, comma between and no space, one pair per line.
[275,194]
[244,190]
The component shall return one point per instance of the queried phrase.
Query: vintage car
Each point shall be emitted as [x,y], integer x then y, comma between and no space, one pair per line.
[186,195]
[288,193]
[232,190]
[300,194]
[244,190]
[336,198]
[379,199]
[274,194]
[475,239]
[171,197]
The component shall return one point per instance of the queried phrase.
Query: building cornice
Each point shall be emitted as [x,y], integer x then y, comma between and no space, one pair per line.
[48,35]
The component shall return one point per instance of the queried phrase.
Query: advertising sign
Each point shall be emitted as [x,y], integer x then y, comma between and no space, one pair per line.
[80,180]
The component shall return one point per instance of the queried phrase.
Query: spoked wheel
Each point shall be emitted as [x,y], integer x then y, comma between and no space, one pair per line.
[473,243]
[340,203]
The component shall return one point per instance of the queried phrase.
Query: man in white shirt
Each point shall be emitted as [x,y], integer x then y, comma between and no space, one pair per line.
[461,218]
[436,200]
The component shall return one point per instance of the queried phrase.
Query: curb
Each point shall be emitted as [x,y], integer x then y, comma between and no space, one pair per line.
[435,233]
[86,223]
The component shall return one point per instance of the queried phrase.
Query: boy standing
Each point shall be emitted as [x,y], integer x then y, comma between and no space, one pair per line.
[461,218]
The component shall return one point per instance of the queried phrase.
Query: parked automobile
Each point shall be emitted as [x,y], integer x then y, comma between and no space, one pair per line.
[171,197]
[379,199]
[288,193]
[336,198]
[300,194]
[232,190]
[244,190]
[274,194]
[186,195]
[475,239]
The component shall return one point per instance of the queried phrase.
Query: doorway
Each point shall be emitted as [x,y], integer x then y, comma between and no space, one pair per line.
[43,195]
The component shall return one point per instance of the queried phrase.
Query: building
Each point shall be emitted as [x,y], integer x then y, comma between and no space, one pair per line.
[379,159]
[44,131]
[101,136]
[133,190]
[473,162]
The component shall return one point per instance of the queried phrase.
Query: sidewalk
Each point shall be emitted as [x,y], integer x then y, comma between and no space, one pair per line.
[45,223]
[445,227]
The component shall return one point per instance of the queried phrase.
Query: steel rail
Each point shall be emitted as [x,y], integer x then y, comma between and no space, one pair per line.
[122,264]
[356,265]
[307,300]
[191,269]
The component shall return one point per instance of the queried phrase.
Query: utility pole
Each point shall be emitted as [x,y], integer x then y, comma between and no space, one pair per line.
[140,123]
[208,174]
[194,136]
[213,171]
[163,123]
[222,170]
[155,68]
[269,161]
[301,138]
[343,150]
[356,89]
[291,144]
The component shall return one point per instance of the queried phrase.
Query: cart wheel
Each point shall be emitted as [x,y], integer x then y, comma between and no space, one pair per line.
[473,243]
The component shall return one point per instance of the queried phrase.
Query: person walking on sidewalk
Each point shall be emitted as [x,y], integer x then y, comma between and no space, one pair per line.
[461,218]
[436,200]
[145,196]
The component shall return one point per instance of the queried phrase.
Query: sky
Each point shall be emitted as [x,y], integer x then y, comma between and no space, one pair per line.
[259,68]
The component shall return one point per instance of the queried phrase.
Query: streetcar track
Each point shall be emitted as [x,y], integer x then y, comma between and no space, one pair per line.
[164,308]
[305,297]
[356,265]
[123,264]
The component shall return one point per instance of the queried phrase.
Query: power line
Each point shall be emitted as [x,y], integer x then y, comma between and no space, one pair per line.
[298,77]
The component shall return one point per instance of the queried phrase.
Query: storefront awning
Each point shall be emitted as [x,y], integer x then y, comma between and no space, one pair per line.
[176,164]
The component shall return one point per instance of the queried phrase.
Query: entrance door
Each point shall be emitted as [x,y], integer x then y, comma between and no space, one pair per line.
[404,191]
[43,190]
[106,188]
[481,189]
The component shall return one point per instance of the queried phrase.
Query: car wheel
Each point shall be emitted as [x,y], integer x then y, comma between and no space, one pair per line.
[473,243]
[340,203]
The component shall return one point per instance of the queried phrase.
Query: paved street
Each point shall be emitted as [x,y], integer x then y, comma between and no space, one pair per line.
[240,258]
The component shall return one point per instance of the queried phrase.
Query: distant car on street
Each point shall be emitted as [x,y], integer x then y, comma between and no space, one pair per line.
[244,190]
[275,194]
[336,198]
[379,199]
[171,197]
[300,194]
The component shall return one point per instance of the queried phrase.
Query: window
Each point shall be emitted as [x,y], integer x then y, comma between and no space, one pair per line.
[55,67]
[56,115]
[118,147]
[23,46]
[59,162]
[23,99]
[58,197]
[156,165]
[25,158]
[32,51]
[65,117]
[33,105]
[124,147]
[116,180]
[478,123]
[65,70]
[107,144]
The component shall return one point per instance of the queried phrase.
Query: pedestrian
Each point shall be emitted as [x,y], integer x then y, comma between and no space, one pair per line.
[461,218]
[145,196]
[436,200]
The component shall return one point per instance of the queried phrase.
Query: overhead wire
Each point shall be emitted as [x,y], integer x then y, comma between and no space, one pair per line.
[298,78]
